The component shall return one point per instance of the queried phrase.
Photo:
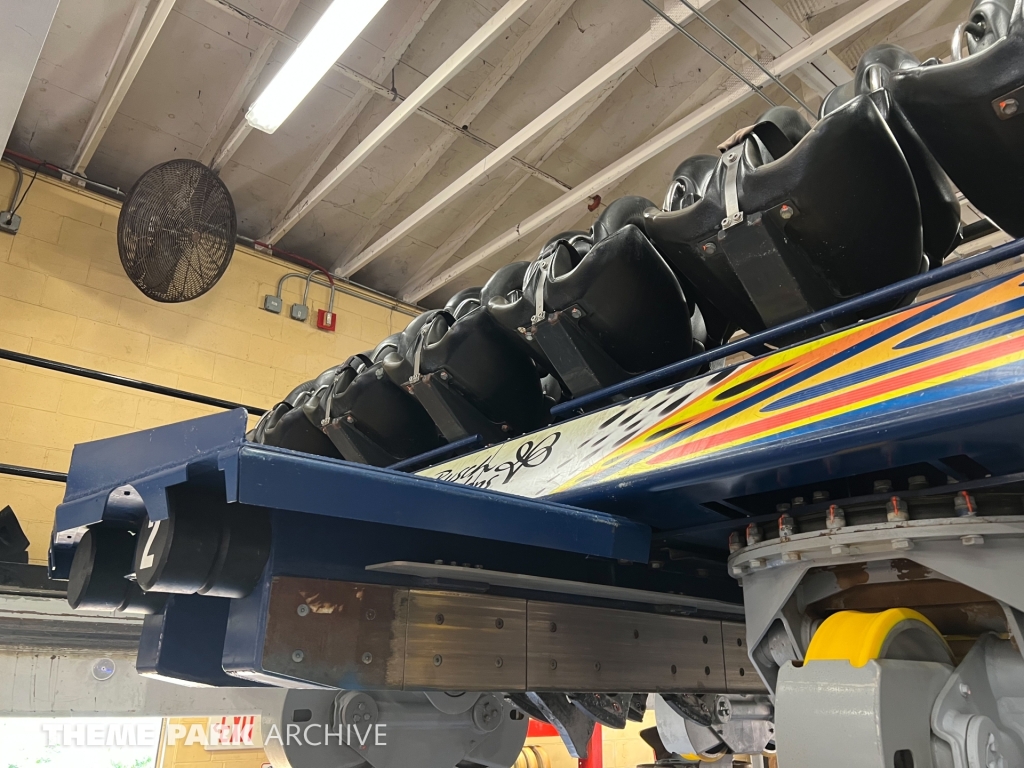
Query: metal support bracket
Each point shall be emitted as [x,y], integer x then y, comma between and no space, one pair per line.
[581,365]
[733,214]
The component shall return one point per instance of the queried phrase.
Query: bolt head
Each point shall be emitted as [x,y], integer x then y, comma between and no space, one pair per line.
[302,610]
[735,544]
[350,419]
[710,248]
[371,615]
[896,510]
[973,540]
[902,544]
[444,376]
[965,690]
[965,505]
[787,526]
[298,656]
[553,664]
[439,618]
[498,662]
[754,535]
[835,518]
[367,657]
[597,666]
[786,212]
[438,660]
[1009,106]
[576,313]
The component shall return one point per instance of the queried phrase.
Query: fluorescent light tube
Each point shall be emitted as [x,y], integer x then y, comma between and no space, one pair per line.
[330,37]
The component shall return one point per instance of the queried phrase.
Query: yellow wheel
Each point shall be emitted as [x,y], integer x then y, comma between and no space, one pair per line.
[704,757]
[898,633]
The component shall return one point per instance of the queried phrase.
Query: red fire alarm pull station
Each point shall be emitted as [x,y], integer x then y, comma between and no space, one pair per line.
[326,321]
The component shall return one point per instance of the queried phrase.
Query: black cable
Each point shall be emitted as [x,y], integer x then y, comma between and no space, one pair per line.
[17,187]
[32,472]
[123,381]
[35,173]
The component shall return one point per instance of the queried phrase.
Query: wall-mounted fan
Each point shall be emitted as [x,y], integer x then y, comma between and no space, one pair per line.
[176,231]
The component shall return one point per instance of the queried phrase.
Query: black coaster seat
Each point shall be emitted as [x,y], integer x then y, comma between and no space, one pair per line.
[940,209]
[598,307]
[471,376]
[369,418]
[287,426]
[969,112]
[796,219]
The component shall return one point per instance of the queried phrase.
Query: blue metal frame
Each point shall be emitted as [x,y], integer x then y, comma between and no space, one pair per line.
[331,518]
[212,449]
[757,341]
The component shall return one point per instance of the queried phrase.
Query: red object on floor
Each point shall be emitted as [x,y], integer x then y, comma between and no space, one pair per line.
[538,728]
[595,751]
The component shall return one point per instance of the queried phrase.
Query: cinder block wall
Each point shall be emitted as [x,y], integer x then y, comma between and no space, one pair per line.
[64,296]
[181,755]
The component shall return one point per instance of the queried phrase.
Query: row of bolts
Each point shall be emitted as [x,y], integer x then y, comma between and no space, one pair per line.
[835,517]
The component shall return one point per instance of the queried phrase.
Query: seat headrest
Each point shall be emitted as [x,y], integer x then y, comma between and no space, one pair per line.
[877,65]
[407,338]
[464,302]
[503,282]
[838,96]
[620,213]
[297,394]
[788,120]
[988,22]
[689,182]
[578,240]
[325,378]
[389,344]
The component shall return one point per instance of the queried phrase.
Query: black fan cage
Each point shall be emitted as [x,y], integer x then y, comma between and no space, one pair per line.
[176,231]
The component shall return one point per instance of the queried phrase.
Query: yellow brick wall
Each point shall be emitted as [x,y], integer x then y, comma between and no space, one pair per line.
[196,756]
[622,749]
[64,296]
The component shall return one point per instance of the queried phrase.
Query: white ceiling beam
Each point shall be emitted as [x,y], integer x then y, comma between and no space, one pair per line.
[716,82]
[117,61]
[381,90]
[257,61]
[827,70]
[481,97]
[801,54]
[770,40]
[110,101]
[26,26]
[660,30]
[455,63]
[417,18]
[508,186]
[922,41]
[922,26]
[554,139]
